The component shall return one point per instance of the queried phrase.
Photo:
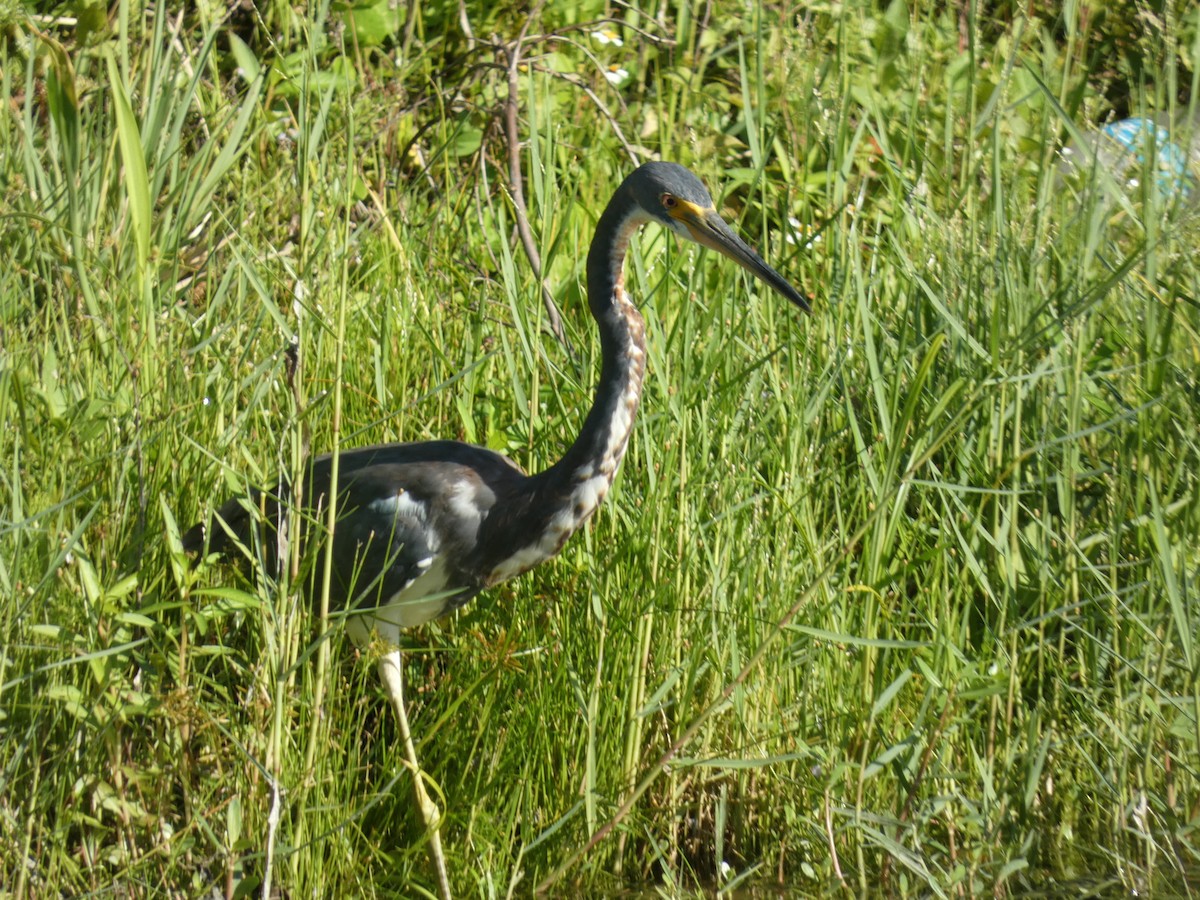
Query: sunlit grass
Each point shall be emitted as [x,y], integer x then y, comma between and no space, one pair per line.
[954,512]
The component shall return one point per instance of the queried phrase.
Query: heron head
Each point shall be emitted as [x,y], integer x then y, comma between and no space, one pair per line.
[675,198]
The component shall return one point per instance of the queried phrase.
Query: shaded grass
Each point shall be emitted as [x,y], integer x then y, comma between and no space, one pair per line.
[976,466]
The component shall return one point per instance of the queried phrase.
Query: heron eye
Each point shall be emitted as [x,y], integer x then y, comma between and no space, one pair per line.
[668,201]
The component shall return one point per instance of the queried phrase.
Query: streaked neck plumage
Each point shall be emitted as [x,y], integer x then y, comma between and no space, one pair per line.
[565,495]
[601,442]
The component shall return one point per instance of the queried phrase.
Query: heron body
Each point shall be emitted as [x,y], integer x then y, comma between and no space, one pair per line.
[424,527]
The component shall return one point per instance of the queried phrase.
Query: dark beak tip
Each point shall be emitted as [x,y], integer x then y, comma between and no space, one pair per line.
[798,299]
[801,301]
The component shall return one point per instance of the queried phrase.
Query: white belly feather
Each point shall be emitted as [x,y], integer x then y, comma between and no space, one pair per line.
[419,601]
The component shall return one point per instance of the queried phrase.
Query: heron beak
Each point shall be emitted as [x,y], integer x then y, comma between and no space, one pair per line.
[710,230]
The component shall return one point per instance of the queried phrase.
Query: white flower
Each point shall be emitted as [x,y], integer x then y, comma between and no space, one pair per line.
[607,36]
[801,232]
[616,75]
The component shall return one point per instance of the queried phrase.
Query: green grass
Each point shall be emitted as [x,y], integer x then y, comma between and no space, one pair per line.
[900,597]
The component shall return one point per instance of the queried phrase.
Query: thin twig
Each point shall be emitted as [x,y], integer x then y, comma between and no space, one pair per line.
[577,82]
[272,829]
[465,24]
[647,36]
[837,866]
[516,183]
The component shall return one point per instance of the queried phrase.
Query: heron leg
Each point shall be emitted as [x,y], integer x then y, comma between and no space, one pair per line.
[391,671]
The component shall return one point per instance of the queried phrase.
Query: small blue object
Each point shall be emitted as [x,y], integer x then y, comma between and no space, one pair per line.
[1138,133]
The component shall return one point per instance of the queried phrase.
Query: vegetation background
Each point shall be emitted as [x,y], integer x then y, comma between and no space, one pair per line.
[900,598]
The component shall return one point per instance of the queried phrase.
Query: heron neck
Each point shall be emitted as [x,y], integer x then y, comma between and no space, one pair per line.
[582,477]
[556,503]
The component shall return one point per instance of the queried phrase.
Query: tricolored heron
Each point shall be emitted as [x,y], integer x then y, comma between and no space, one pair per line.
[422,528]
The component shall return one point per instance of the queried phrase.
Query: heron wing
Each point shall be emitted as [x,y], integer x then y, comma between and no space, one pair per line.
[408,524]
